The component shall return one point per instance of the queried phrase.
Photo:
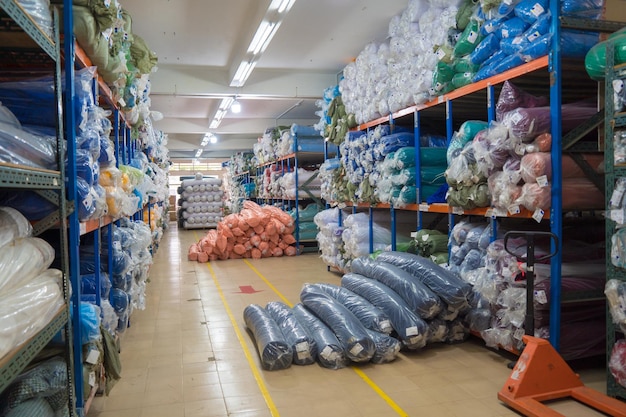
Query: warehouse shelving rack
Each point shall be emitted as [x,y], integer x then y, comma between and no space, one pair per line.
[613,121]
[483,95]
[48,184]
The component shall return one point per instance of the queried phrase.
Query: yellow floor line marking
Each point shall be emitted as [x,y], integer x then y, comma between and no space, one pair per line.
[246,351]
[269,284]
[359,372]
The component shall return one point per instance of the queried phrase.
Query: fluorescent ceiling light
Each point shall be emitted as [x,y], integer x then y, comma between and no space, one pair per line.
[262,37]
[242,73]
[213,139]
[236,107]
[226,103]
[214,124]
[198,153]
[285,6]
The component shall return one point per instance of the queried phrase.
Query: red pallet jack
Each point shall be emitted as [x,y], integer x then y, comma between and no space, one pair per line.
[540,373]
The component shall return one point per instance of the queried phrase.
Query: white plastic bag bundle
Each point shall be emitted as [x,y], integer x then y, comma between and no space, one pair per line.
[26,309]
[22,260]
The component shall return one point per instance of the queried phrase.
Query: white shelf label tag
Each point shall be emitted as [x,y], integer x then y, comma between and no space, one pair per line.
[92,379]
[538,215]
[543,181]
[458,210]
[541,297]
[617,216]
[93,356]
[424,207]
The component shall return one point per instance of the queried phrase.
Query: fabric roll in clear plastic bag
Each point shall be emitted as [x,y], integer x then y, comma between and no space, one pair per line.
[23,259]
[371,316]
[534,197]
[88,284]
[350,332]
[27,308]
[486,48]
[297,337]
[274,351]
[530,10]
[417,295]
[511,97]
[330,352]
[17,146]
[449,287]
[617,362]
[535,166]
[412,330]
[13,225]
[438,331]
[387,347]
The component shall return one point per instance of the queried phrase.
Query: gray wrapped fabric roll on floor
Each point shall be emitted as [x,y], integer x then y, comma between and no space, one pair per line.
[372,317]
[330,353]
[296,335]
[424,302]
[387,347]
[412,329]
[349,330]
[448,286]
[274,351]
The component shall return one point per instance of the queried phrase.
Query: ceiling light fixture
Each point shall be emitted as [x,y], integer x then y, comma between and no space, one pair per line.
[213,139]
[285,6]
[235,107]
[262,37]
[198,153]
[242,73]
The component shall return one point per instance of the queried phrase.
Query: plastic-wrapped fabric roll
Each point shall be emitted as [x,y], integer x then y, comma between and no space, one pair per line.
[417,295]
[438,331]
[411,328]
[371,316]
[449,287]
[350,332]
[478,319]
[330,353]
[296,335]
[274,351]
[387,347]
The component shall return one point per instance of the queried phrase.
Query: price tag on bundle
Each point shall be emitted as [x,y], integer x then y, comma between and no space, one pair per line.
[520,149]
[543,181]
[537,10]
[356,349]
[617,216]
[490,213]
[93,356]
[501,212]
[518,334]
[538,215]
[457,210]
[541,297]
[92,379]
[514,209]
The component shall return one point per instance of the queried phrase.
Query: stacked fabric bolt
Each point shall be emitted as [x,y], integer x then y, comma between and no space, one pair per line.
[256,232]
[398,301]
[200,205]
[30,291]
[307,229]
[329,238]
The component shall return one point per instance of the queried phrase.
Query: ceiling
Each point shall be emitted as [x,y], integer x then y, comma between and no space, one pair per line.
[200,44]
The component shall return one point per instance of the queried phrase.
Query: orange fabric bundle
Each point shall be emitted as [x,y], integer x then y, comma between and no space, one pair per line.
[239,249]
[277,252]
[203,257]
[289,239]
[237,232]
[192,254]
[290,251]
[255,240]
[256,253]
[258,229]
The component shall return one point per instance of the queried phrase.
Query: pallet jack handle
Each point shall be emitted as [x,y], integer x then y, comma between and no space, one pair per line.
[530,259]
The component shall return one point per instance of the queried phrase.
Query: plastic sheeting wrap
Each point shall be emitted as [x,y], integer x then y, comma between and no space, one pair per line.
[301,342]
[417,295]
[449,287]
[615,291]
[351,333]
[387,347]
[371,316]
[274,351]
[411,328]
[617,362]
[330,352]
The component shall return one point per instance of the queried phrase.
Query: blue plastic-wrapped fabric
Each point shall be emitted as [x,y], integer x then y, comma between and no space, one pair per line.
[457,331]
[107,152]
[88,284]
[86,199]
[590,9]
[349,330]
[531,10]
[371,316]
[296,335]
[89,140]
[395,141]
[123,282]
[387,347]
[511,28]
[449,287]
[274,351]
[330,353]
[302,130]
[17,146]
[412,329]
[86,168]
[119,299]
[478,319]
[89,323]
[486,48]
[424,302]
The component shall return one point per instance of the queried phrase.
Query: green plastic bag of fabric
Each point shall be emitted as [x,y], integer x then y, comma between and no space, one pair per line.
[595,60]
[433,175]
[469,39]
[433,157]
[407,195]
[404,157]
[445,53]
[465,12]
[443,73]
[440,258]
[462,79]
[463,64]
